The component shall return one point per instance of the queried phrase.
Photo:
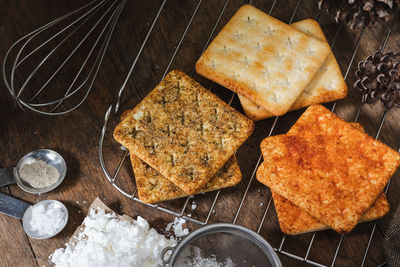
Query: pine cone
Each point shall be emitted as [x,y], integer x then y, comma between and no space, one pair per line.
[379,79]
[357,13]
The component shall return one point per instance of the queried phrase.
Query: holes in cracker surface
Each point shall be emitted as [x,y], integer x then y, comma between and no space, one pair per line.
[198,99]
[237,35]
[225,50]
[184,143]
[290,43]
[278,57]
[250,20]
[172,159]
[135,131]
[178,89]
[258,46]
[190,173]
[285,83]
[200,128]
[218,142]
[273,97]
[297,65]
[233,76]
[245,62]
[310,51]
[151,146]
[265,72]
[232,126]
[213,65]
[269,31]
[181,117]
[206,159]
[147,117]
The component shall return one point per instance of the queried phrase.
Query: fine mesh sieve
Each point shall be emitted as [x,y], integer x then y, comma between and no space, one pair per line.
[222,245]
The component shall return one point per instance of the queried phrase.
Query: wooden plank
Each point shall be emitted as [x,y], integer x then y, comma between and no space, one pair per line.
[76,135]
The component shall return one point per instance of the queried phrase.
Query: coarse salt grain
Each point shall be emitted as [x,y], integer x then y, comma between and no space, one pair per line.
[177,227]
[108,241]
[47,218]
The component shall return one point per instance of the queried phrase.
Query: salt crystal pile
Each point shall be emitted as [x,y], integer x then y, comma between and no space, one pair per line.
[108,241]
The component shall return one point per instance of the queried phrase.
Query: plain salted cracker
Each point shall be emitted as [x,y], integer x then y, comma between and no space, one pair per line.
[327,85]
[328,168]
[294,220]
[263,59]
[183,131]
[153,187]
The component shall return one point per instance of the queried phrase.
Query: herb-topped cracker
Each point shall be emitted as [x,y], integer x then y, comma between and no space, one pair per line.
[263,59]
[153,187]
[183,131]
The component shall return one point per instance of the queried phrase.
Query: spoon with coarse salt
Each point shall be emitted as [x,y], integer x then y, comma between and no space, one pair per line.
[43,220]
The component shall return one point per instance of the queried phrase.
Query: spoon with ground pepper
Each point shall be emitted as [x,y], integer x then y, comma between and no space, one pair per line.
[39,171]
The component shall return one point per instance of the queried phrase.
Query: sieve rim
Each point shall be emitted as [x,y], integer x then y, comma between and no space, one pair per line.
[222,228]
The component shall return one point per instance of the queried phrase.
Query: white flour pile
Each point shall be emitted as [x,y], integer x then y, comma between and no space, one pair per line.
[108,241]
[47,218]
[177,227]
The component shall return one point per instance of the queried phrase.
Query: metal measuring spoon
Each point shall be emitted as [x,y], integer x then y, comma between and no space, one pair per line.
[11,175]
[22,210]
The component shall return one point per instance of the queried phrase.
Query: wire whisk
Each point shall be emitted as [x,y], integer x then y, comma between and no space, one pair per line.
[70,50]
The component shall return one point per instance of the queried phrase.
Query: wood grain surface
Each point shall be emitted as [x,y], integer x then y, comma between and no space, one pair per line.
[76,135]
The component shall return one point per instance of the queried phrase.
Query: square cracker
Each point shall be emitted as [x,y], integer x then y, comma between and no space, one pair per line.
[327,85]
[293,220]
[328,168]
[263,59]
[153,187]
[183,131]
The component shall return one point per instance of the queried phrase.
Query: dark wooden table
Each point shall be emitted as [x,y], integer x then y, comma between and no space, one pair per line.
[76,135]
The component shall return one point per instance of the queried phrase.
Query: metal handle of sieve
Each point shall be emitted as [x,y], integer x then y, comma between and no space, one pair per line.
[163,252]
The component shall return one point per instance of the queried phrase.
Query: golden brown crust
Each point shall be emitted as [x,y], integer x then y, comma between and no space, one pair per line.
[253,47]
[293,220]
[327,85]
[183,131]
[153,187]
[328,168]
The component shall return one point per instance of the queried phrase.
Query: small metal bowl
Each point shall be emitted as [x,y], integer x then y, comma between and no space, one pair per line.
[222,242]
[28,217]
[50,157]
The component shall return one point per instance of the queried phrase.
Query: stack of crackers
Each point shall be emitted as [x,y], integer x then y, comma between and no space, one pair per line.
[274,67]
[182,139]
[326,173]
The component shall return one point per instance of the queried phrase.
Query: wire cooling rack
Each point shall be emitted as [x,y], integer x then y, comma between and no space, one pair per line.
[114,176]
